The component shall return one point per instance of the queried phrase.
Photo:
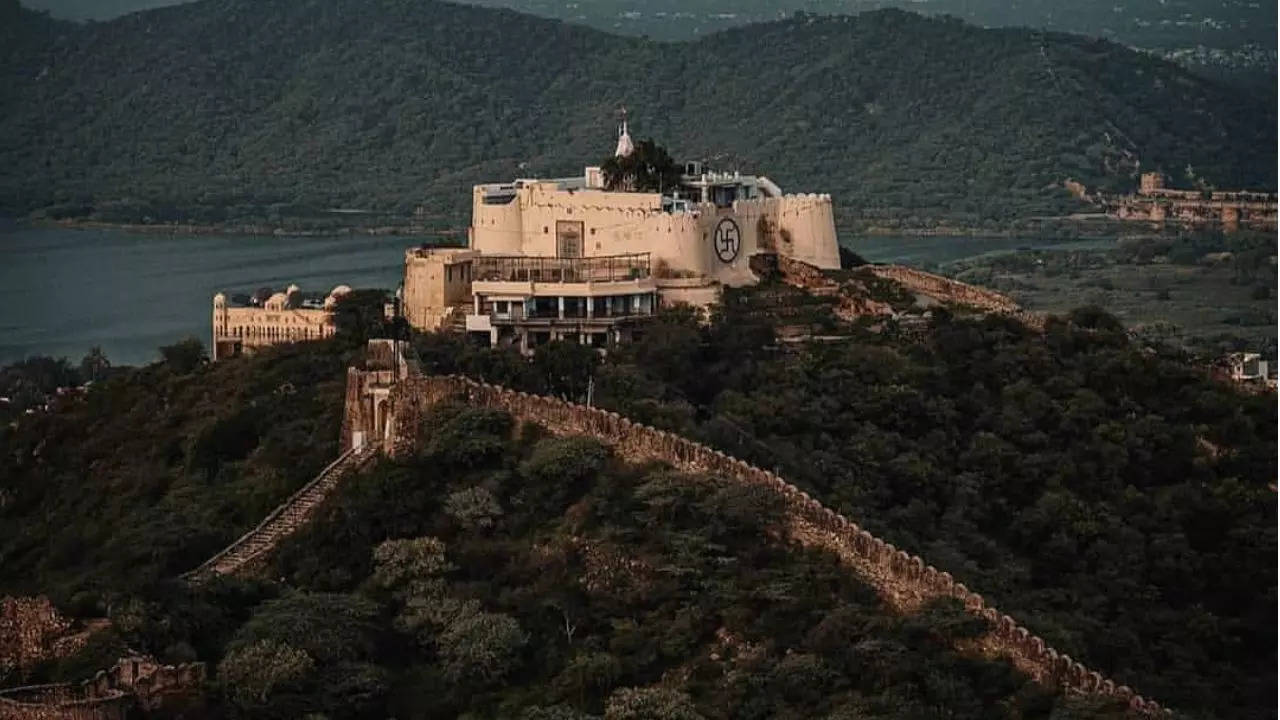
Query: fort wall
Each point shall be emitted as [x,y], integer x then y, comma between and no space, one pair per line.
[133,682]
[436,282]
[1156,203]
[904,580]
[946,289]
[619,223]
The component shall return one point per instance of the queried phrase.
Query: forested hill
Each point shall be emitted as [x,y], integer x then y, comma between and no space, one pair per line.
[188,112]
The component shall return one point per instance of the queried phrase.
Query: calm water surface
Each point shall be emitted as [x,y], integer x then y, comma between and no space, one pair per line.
[64,291]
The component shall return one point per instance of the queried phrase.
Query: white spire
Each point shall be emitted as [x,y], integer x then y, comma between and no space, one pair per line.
[625,146]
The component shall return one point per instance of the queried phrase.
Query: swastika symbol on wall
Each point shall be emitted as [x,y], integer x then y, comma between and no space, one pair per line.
[727,240]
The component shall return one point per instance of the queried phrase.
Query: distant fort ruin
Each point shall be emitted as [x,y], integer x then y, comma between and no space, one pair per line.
[1154,202]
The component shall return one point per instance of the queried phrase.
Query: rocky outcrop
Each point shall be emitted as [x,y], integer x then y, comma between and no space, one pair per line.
[32,631]
[854,299]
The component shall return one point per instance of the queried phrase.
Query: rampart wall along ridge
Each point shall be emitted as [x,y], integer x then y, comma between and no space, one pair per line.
[110,694]
[903,579]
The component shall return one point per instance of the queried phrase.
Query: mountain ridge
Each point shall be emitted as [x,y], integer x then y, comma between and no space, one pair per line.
[182,112]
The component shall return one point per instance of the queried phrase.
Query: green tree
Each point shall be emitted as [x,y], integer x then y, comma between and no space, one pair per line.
[481,646]
[250,674]
[565,369]
[184,356]
[95,365]
[651,703]
[474,508]
[400,564]
[360,315]
[649,168]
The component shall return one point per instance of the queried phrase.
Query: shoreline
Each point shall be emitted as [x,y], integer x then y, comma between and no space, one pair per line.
[1076,227]
[239,230]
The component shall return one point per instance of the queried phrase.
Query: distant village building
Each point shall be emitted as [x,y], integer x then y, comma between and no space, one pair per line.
[284,317]
[566,259]
[1246,367]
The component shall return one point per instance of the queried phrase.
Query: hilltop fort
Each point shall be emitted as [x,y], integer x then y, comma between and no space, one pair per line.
[580,258]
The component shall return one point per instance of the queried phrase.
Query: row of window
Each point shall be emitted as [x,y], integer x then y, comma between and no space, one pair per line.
[464,272]
[253,332]
[570,307]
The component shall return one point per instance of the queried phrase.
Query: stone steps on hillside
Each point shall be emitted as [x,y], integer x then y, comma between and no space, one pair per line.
[283,521]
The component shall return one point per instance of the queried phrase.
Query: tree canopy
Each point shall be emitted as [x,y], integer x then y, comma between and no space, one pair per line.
[273,109]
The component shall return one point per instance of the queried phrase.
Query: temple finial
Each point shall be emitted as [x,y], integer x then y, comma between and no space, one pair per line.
[625,146]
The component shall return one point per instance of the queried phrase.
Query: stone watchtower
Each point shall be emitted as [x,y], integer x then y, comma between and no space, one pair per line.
[1150,183]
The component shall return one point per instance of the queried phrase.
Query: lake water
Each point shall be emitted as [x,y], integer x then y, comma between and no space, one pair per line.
[63,291]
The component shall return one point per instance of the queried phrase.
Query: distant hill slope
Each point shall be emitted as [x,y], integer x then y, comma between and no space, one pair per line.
[180,112]
[1223,25]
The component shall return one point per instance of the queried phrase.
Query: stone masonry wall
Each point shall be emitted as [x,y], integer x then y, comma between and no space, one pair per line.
[945,288]
[133,682]
[904,580]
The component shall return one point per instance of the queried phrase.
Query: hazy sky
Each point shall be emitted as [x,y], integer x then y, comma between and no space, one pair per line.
[95,9]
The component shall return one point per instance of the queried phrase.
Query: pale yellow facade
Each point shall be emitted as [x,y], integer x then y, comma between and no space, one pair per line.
[281,319]
[565,259]
[698,240]
[437,286]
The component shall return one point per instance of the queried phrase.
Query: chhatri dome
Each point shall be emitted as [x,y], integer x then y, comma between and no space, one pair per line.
[625,146]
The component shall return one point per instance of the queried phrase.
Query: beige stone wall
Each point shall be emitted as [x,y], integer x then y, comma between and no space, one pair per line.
[945,289]
[435,282]
[904,580]
[256,327]
[621,223]
[698,292]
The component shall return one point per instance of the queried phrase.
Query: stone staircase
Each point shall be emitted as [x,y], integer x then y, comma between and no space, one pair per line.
[281,522]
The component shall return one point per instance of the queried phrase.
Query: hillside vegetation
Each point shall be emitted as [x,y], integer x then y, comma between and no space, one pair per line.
[497,573]
[1110,496]
[1107,494]
[229,108]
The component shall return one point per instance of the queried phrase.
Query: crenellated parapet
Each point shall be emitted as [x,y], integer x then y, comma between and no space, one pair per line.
[904,580]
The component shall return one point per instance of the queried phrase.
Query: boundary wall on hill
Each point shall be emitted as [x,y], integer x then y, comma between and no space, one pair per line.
[944,288]
[903,579]
[133,682]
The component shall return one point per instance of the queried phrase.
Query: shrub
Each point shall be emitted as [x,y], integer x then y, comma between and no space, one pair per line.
[252,673]
[398,563]
[185,356]
[473,508]
[481,645]
[650,704]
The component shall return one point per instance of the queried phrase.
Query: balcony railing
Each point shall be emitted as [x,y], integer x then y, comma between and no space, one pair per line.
[607,268]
